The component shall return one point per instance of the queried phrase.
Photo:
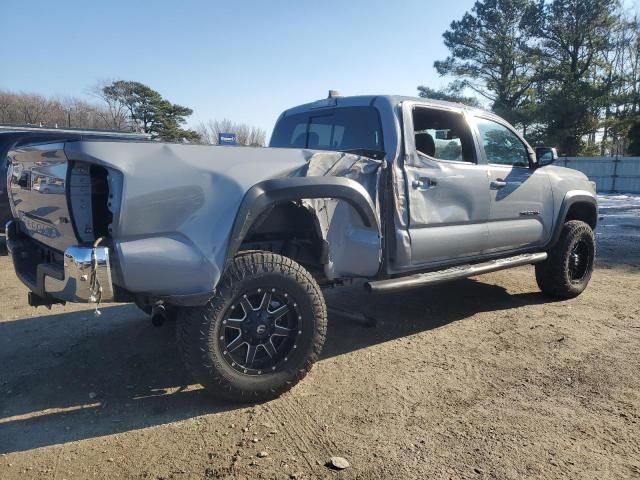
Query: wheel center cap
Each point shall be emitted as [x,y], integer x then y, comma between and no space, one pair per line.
[261,329]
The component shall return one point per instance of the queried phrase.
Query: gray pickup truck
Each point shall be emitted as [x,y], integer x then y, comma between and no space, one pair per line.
[236,243]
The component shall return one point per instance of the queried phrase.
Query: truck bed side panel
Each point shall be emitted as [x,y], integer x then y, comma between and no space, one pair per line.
[178,204]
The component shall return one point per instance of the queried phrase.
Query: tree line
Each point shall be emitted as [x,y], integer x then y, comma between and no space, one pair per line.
[565,72]
[34,109]
[246,135]
[121,105]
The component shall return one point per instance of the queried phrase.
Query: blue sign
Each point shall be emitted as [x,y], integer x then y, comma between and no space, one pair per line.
[227,139]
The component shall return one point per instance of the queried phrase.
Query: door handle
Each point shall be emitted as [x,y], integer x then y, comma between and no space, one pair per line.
[498,184]
[423,183]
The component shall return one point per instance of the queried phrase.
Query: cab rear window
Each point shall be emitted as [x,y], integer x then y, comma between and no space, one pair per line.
[347,128]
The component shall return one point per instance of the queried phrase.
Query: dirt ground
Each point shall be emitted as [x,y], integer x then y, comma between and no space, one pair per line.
[481,378]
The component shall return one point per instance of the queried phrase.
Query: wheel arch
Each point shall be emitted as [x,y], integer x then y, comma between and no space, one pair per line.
[579,205]
[271,197]
[290,229]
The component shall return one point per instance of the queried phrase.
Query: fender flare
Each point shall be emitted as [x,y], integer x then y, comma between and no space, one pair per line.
[263,195]
[570,199]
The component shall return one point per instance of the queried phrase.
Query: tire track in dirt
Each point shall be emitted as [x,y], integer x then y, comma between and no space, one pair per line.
[302,446]
[303,431]
[313,429]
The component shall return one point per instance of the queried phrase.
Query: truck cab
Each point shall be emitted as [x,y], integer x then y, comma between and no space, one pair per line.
[463,184]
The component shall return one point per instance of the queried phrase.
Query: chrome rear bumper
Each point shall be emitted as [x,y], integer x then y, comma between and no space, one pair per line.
[84,277]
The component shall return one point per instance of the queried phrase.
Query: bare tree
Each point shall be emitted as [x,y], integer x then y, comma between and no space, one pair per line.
[115,113]
[57,112]
[6,102]
[619,67]
[33,108]
[247,135]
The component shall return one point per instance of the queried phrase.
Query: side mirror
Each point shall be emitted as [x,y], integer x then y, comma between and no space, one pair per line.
[546,155]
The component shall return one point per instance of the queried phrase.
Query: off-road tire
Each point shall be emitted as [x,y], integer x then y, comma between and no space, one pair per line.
[554,275]
[198,329]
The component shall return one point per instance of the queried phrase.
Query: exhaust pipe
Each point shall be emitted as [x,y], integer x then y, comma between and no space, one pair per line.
[158,315]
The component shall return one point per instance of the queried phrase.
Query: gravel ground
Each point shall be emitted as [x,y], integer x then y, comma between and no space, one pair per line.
[481,378]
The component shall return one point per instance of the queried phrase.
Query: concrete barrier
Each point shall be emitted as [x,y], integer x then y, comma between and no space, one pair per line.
[611,174]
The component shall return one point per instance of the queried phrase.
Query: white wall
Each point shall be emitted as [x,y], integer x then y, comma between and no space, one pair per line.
[611,174]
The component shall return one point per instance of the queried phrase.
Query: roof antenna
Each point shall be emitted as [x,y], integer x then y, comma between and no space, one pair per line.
[333,94]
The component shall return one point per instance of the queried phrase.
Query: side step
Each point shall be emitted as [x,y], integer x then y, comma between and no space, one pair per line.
[453,273]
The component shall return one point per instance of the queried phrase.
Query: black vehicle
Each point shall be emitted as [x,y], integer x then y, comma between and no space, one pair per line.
[5,210]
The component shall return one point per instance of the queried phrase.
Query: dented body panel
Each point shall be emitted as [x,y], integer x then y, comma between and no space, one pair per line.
[170,217]
[174,207]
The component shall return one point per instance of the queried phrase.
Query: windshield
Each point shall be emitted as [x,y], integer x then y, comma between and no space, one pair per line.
[343,129]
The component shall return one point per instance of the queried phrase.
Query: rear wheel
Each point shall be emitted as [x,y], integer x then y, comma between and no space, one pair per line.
[567,270]
[260,334]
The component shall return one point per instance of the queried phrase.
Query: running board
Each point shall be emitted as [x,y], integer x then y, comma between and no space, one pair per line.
[453,273]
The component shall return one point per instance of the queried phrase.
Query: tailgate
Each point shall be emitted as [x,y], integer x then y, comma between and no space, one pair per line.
[51,197]
[37,183]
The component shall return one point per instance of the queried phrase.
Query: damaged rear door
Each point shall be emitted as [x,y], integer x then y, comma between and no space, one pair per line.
[447,186]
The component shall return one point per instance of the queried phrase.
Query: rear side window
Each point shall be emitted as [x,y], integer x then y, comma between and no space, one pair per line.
[442,135]
[348,128]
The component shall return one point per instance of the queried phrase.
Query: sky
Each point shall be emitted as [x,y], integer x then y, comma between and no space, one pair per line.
[238,59]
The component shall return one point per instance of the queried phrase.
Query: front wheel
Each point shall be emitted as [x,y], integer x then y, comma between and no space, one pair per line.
[260,334]
[567,270]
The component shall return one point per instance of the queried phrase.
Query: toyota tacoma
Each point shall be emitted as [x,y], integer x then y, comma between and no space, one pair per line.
[237,243]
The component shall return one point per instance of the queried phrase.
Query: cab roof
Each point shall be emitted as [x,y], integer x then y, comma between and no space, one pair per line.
[371,100]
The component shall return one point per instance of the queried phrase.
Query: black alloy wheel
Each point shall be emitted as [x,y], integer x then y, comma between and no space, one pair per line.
[260,331]
[259,334]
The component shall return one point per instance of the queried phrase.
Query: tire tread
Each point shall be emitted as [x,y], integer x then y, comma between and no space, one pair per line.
[194,322]
[552,275]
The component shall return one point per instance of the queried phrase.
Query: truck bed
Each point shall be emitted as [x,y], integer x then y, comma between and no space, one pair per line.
[166,211]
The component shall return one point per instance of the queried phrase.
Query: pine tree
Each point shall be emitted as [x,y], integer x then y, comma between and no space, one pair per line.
[490,53]
[149,112]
